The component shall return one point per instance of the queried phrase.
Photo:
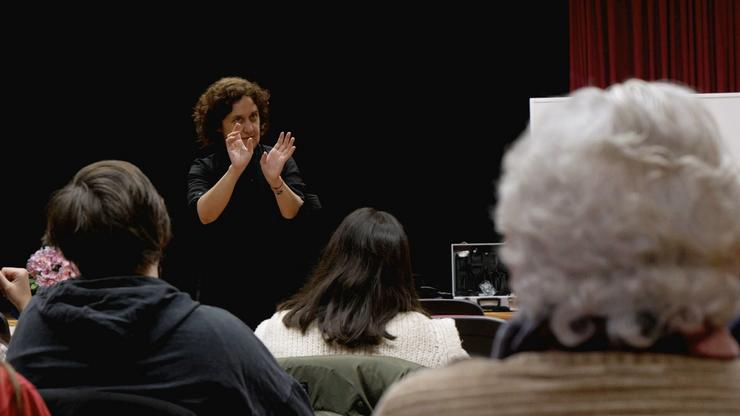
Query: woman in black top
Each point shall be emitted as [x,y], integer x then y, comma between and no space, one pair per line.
[244,192]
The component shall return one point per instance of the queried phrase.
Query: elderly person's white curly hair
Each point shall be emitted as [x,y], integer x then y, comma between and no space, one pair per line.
[623,206]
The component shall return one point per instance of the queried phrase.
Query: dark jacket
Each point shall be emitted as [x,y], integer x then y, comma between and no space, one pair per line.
[139,335]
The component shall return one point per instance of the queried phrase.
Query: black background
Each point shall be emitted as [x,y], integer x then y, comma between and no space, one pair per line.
[408,112]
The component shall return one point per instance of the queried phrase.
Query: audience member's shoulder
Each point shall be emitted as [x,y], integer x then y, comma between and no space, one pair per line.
[443,326]
[271,325]
[471,368]
[422,322]
[473,376]
[445,323]
[215,314]
[412,316]
[219,320]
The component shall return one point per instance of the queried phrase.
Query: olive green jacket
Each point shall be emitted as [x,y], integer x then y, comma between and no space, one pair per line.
[346,384]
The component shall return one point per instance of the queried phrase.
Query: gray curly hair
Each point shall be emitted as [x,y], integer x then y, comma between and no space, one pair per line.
[623,206]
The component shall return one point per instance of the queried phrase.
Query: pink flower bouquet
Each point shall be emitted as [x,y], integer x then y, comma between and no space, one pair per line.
[47,266]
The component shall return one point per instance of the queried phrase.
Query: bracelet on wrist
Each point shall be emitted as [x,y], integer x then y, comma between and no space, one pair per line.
[280,189]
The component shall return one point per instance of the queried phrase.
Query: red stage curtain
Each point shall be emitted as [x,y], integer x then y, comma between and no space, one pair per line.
[694,42]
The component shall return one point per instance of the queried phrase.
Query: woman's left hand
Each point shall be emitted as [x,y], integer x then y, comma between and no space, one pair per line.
[272,162]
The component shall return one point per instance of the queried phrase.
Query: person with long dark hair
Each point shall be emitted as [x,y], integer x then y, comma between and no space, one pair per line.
[360,299]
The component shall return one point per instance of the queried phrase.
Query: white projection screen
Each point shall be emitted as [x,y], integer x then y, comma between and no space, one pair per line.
[725,107]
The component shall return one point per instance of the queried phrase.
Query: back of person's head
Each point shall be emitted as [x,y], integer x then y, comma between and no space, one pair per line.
[216,103]
[621,207]
[362,280]
[109,220]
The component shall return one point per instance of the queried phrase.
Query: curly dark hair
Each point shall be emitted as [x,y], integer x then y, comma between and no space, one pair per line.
[216,103]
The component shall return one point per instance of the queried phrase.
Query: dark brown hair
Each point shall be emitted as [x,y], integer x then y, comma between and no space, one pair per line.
[109,220]
[217,102]
[363,279]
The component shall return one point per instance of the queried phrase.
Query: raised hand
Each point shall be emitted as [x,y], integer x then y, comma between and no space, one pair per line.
[15,287]
[240,152]
[272,163]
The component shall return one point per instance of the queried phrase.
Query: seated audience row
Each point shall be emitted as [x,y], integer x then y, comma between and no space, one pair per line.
[119,328]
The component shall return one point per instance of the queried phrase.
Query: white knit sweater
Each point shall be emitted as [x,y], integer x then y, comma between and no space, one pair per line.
[425,341]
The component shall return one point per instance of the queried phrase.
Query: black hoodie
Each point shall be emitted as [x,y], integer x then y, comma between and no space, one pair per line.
[139,335]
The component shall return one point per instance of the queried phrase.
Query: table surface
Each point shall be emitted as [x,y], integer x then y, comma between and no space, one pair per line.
[501,315]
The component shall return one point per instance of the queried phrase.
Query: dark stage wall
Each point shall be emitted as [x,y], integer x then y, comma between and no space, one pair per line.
[410,113]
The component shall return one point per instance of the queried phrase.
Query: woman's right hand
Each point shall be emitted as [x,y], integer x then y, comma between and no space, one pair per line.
[240,152]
